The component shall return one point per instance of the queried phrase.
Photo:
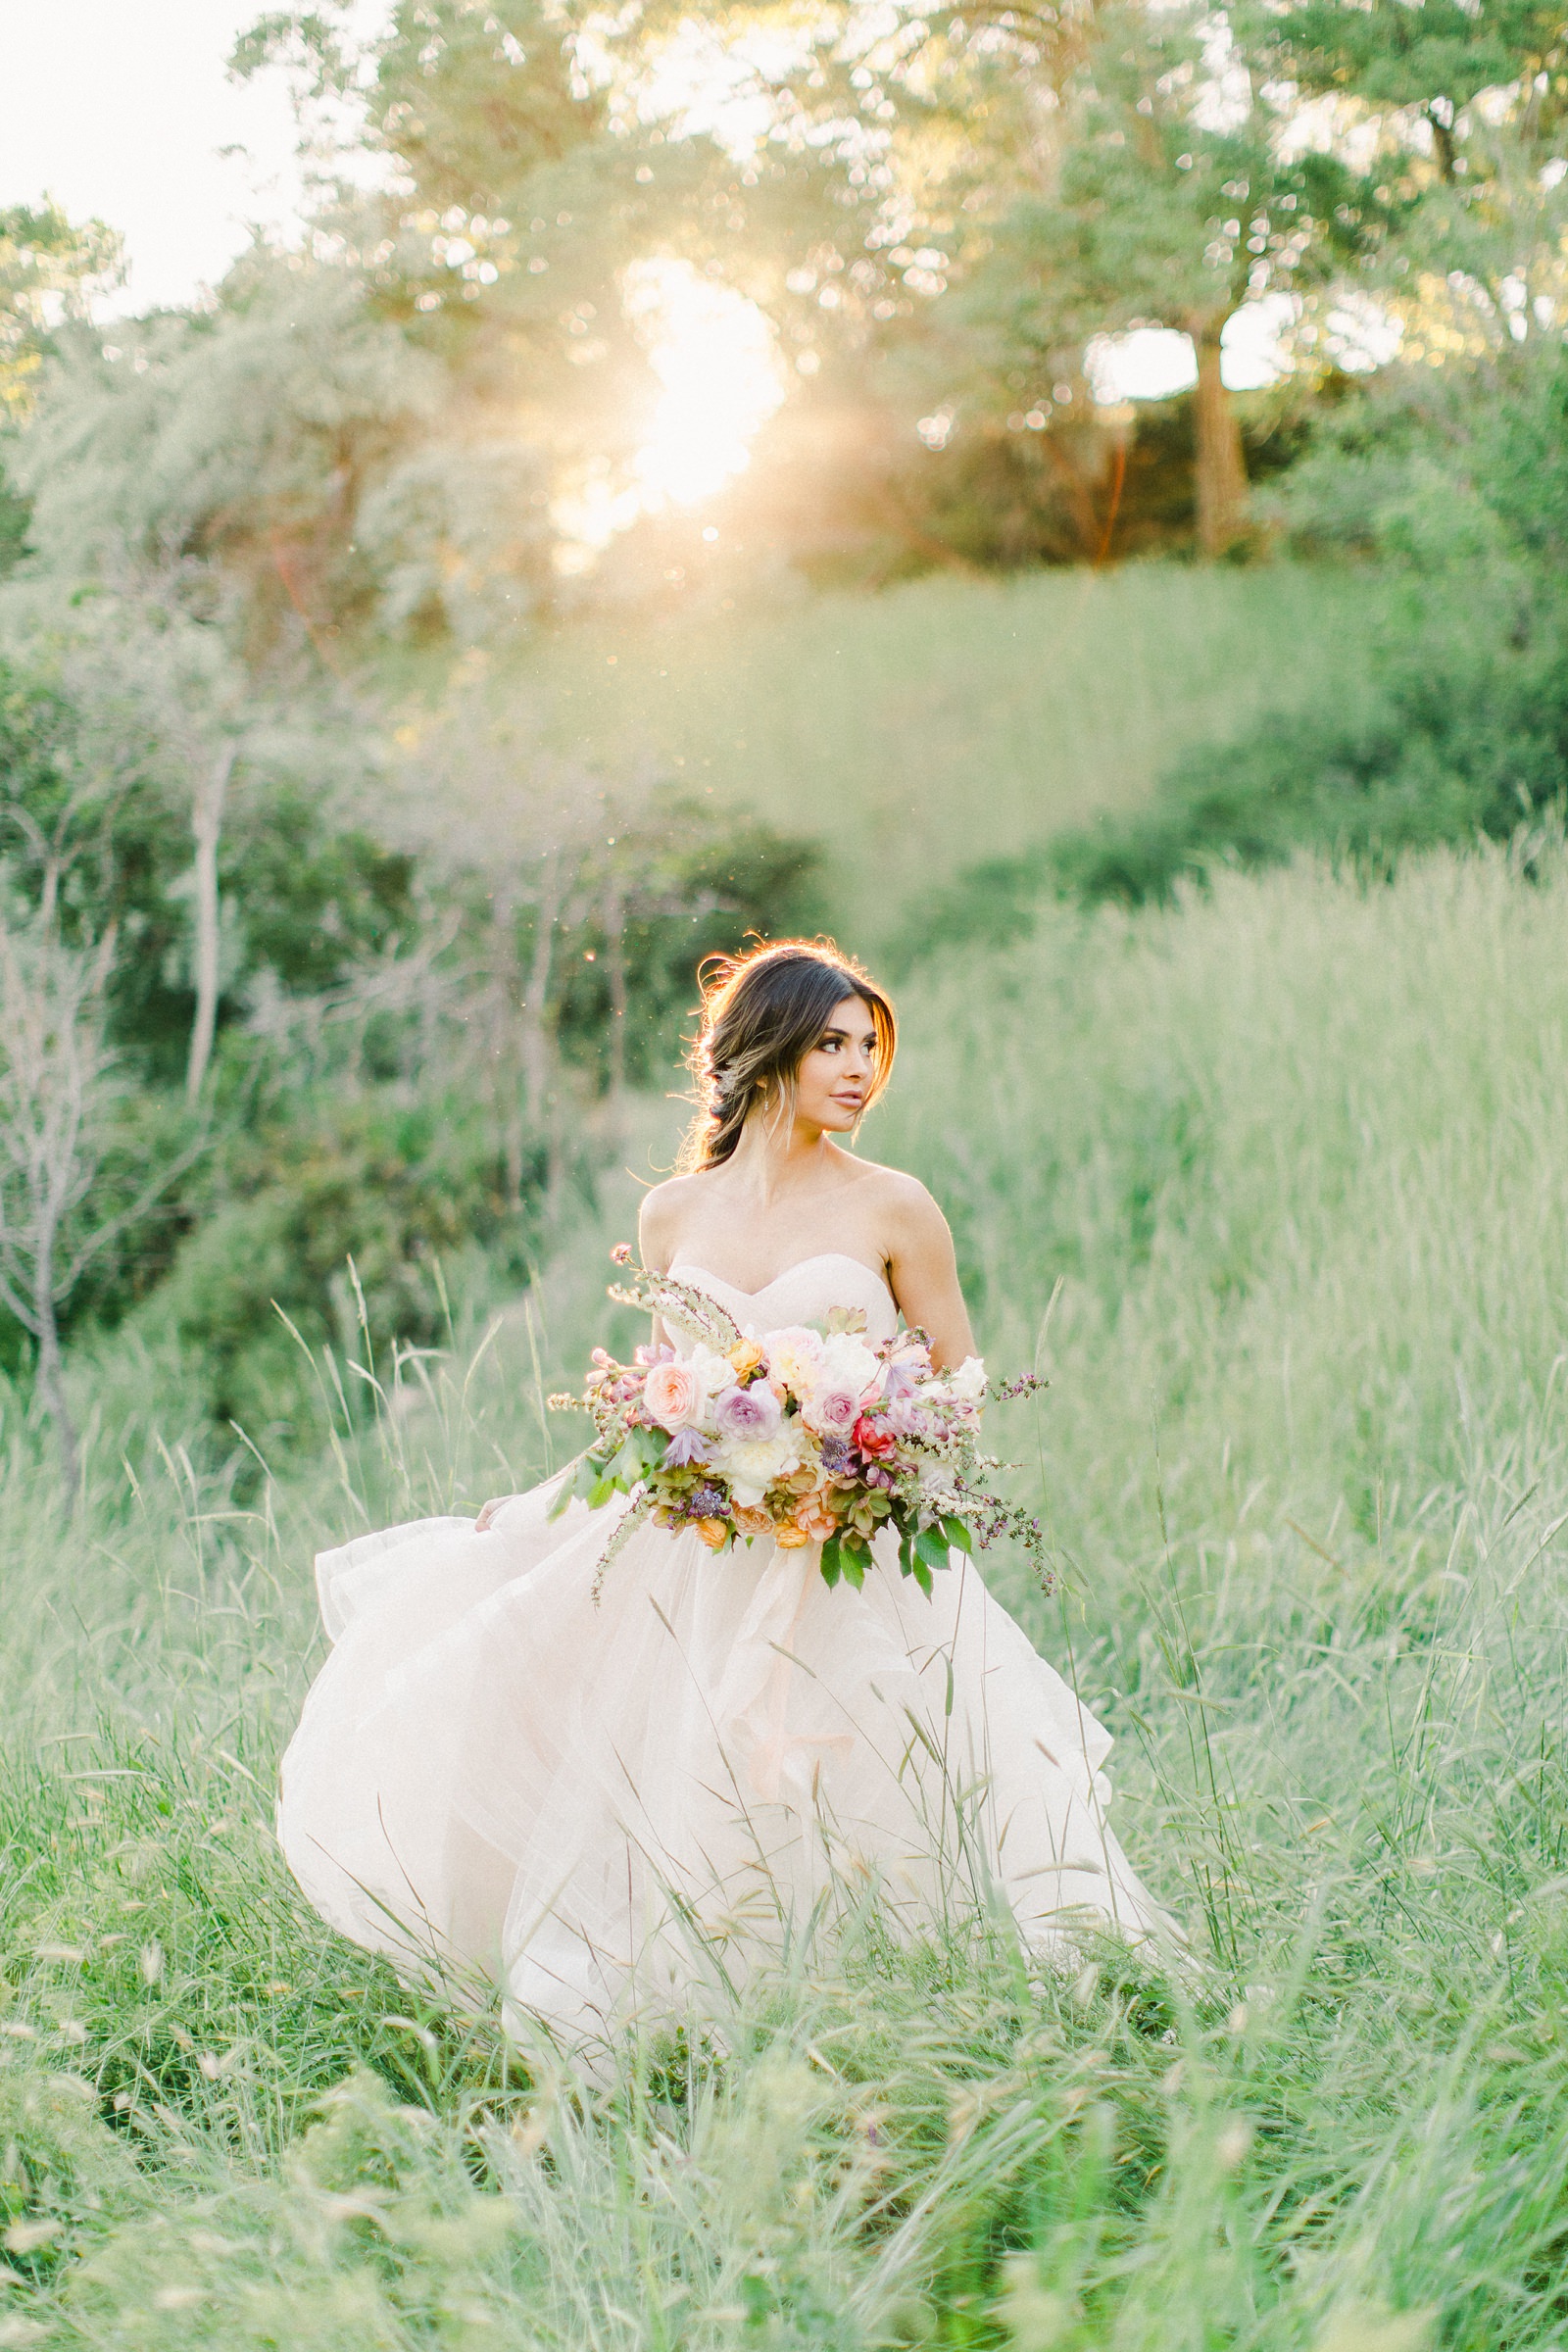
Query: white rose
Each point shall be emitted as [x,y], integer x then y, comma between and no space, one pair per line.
[753,1465]
[713,1372]
[794,1358]
[938,1494]
[846,1362]
[967,1384]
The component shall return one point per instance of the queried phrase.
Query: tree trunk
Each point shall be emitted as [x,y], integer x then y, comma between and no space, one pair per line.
[537,1057]
[506,1046]
[207,824]
[1219,468]
[50,1371]
[614,923]
[1443,146]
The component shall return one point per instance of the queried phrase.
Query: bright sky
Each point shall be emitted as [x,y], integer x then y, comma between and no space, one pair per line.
[122,109]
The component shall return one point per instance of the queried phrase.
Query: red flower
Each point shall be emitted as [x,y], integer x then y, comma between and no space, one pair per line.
[873,1439]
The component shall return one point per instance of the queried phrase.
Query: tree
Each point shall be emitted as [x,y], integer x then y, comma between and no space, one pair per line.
[49,268]
[1430,63]
[1465,103]
[54,1080]
[1172,202]
[591,899]
[221,460]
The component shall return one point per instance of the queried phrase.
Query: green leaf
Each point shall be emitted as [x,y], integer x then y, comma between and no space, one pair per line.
[931,1547]
[832,1560]
[649,1446]
[636,1455]
[922,1577]
[580,1485]
[957,1534]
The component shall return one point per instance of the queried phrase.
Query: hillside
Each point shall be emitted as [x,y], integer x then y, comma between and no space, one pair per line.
[954,718]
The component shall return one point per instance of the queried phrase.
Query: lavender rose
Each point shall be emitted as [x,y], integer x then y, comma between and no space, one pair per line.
[746,1414]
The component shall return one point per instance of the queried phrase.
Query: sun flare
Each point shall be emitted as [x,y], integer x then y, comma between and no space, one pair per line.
[716,355]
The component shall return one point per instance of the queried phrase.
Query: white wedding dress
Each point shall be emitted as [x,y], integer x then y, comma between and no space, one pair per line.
[609,1807]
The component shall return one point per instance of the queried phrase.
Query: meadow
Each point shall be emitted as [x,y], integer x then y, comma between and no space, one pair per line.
[953,719]
[1270,1184]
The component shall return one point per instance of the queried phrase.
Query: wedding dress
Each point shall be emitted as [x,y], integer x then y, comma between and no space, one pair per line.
[606,1805]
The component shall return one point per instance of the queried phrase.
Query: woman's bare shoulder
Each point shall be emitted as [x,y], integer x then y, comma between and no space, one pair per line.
[898,1195]
[663,1216]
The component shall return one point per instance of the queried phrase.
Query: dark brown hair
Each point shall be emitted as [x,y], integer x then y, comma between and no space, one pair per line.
[762,1013]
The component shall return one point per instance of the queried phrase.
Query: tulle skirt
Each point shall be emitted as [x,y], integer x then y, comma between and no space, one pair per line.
[602,1805]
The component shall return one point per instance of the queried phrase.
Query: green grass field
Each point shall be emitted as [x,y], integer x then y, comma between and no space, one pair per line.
[1295,1155]
[949,720]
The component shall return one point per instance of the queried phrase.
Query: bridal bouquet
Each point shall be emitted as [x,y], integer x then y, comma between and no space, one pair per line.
[807,1434]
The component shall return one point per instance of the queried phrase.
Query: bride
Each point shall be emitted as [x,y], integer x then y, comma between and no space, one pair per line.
[604,1807]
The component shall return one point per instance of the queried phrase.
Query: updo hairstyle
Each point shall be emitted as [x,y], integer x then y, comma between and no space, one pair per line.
[761,1014]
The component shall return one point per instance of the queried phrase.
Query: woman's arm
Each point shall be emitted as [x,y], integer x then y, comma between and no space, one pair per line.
[923,1273]
[658,1225]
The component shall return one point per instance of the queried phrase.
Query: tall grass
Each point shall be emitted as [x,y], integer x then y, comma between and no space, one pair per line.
[951,720]
[1297,1158]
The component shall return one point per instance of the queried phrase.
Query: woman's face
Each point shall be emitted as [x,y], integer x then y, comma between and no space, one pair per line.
[835,1079]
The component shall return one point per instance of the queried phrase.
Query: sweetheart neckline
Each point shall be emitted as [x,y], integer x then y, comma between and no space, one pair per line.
[818,1258]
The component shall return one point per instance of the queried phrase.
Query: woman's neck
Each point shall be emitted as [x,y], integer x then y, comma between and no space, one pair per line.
[772,1160]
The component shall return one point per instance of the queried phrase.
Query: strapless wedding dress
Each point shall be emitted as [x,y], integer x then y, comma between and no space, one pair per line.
[608,1806]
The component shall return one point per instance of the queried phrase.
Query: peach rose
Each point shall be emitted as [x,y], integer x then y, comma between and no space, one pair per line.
[790,1538]
[816,1521]
[745,1355]
[671,1396]
[749,1521]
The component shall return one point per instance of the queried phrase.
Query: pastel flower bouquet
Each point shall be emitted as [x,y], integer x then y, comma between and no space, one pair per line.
[807,1434]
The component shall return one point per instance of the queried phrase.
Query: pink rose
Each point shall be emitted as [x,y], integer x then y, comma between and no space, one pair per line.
[832,1413]
[671,1396]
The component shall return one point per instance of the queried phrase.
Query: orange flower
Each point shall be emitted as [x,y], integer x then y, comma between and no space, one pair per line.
[714,1533]
[815,1520]
[790,1538]
[749,1522]
[745,1355]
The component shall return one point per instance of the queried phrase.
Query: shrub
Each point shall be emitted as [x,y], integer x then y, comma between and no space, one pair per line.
[400,1189]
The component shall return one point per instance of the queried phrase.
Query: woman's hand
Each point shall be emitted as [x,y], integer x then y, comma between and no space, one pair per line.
[487,1512]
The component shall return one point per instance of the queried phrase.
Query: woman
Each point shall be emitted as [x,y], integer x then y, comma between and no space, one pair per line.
[604,1805]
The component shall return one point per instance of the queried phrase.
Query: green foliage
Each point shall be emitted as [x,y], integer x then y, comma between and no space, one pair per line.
[338,1211]
[243,442]
[50,267]
[1051,482]
[685,886]
[1157,215]
[1438,67]
[100,827]
[1464,730]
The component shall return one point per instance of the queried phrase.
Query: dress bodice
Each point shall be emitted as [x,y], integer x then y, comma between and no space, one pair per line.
[804,1292]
